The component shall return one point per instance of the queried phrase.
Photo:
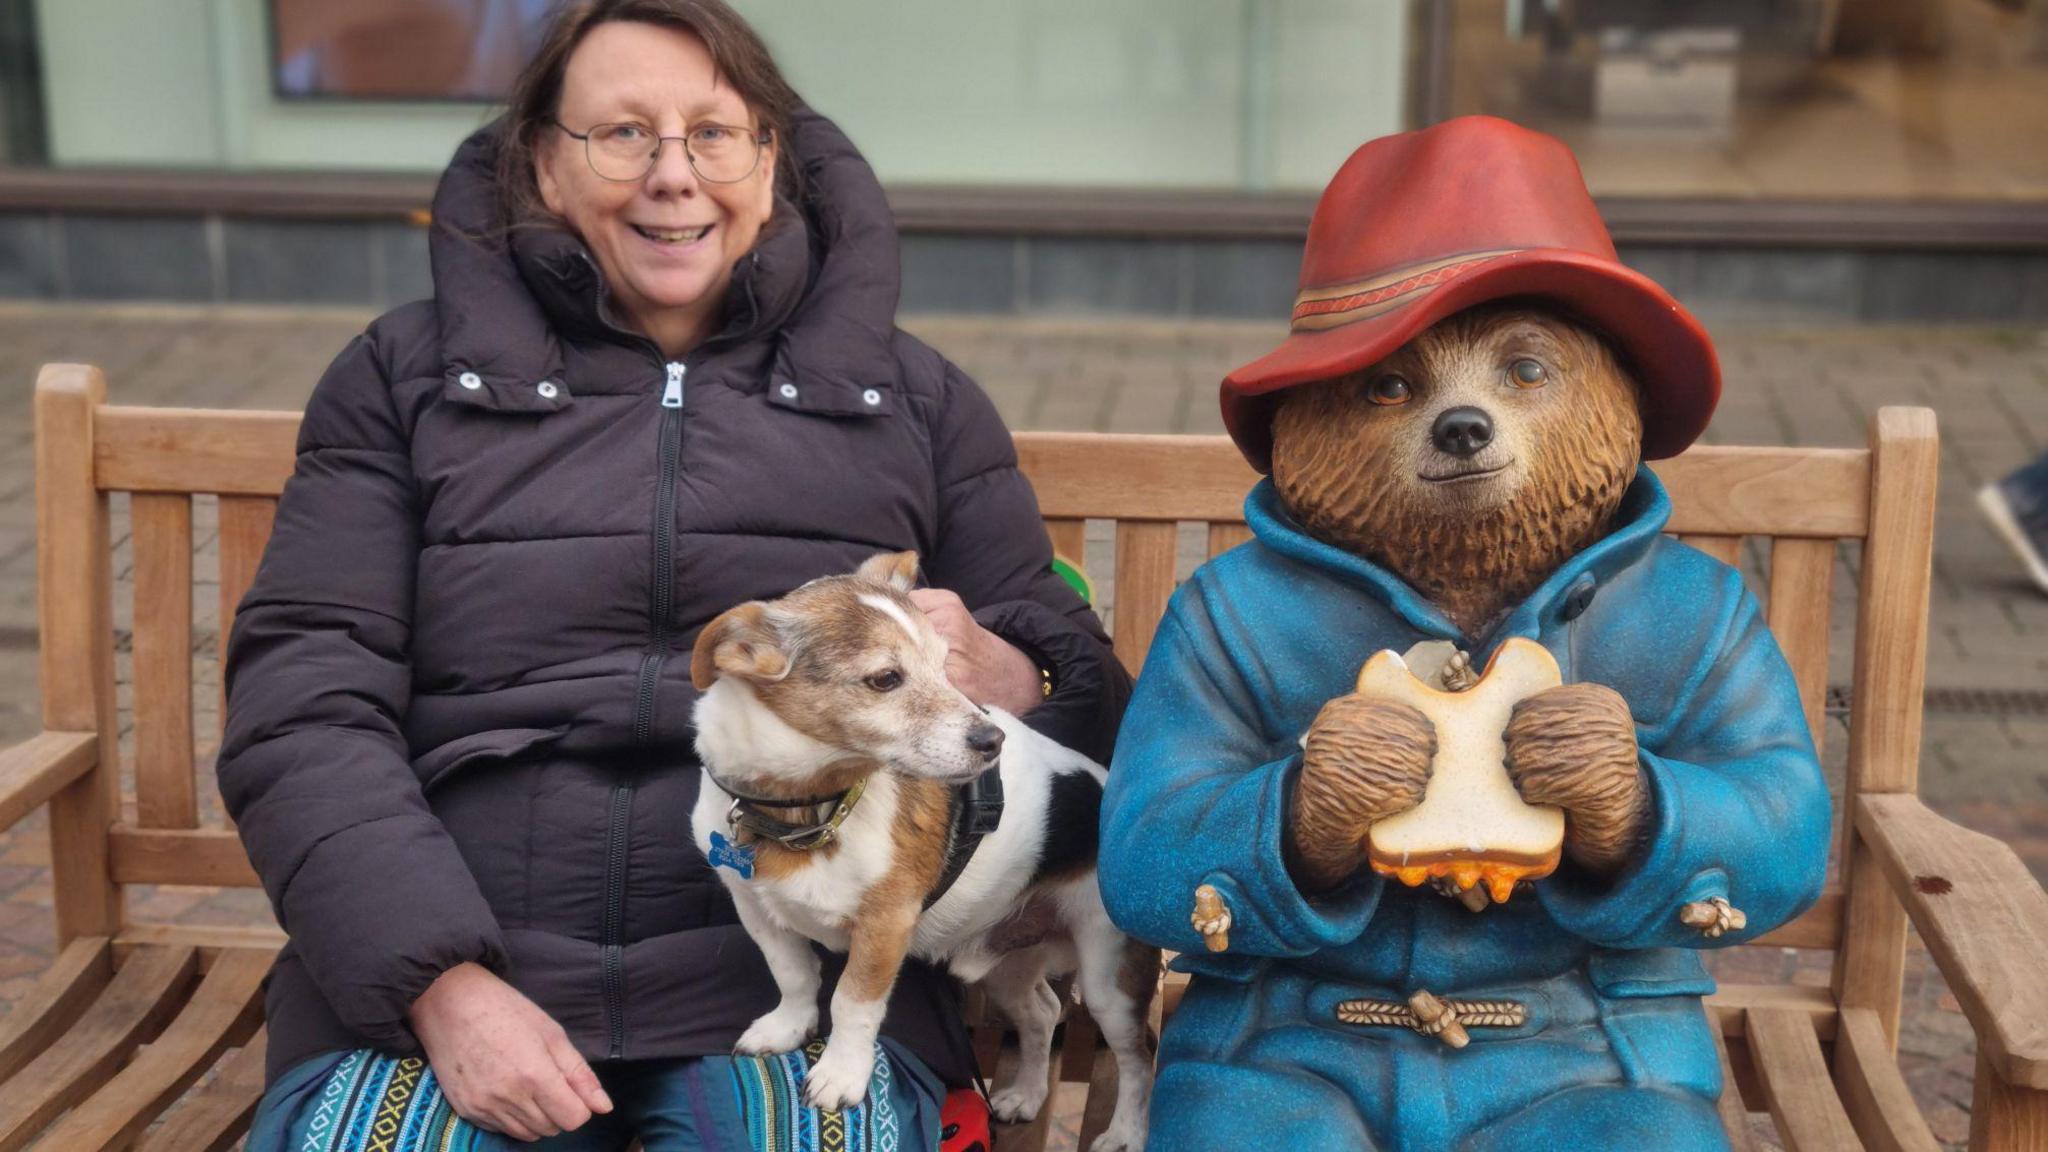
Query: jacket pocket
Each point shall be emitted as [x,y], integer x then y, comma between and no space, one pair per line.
[497,744]
[1649,972]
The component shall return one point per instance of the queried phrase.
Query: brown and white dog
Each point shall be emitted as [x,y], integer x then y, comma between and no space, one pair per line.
[839,690]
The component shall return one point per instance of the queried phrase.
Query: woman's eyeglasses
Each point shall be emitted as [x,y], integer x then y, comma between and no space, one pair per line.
[718,153]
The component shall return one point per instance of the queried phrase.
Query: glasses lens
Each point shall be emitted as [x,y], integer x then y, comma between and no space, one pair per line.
[621,151]
[721,154]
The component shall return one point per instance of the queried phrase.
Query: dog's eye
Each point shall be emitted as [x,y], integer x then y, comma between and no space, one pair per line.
[1389,390]
[1527,373]
[885,681]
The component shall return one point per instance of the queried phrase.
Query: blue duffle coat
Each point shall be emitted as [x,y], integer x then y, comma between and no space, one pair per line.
[1615,1051]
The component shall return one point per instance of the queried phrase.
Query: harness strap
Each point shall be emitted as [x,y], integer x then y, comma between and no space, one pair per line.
[977,810]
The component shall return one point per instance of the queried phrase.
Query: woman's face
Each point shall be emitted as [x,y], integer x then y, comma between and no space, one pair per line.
[664,269]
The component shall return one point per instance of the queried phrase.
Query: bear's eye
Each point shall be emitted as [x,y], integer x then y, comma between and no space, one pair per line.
[887,680]
[1527,373]
[1389,390]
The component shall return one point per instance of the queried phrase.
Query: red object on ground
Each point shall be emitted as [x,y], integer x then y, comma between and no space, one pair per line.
[963,1123]
[1417,226]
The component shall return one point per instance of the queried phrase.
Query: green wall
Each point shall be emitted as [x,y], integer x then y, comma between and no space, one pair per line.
[1162,93]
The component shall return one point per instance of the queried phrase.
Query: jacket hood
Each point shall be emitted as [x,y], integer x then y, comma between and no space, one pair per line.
[823,279]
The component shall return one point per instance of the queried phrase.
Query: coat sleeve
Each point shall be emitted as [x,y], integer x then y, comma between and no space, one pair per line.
[1195,797]
[992,551]
[314,766]
[1740,805]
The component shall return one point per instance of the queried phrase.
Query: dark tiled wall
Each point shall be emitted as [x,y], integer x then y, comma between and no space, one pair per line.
[381,264]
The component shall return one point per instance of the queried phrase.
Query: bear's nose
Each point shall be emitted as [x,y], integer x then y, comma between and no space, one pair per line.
[986,740]
[1462,431]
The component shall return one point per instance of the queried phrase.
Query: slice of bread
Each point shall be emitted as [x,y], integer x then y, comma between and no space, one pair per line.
[1472,824]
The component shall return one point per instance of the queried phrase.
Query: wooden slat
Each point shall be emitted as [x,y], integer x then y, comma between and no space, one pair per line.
[39,767]
[1144,581]
[225,1008]
[142,996]
[165,794]
[74,602]
[192,450]
[1802,582]
[1101,1106]
[1070,543]
[213,1117]
[1728,491]
[1726,549]
[1029,1136]
[1879,1104]
[1734,1114]
[56,1000]
[1224,537]
[1135,478]
[210,939]
[1732,1003]
[1984,919]
[245,523]
[209,857]
[1818,927]
[2004,1118]
[1796,1085]
[1891,674]
[1077,1046]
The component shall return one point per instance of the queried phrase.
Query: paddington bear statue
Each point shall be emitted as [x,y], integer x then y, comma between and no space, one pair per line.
[1452,438]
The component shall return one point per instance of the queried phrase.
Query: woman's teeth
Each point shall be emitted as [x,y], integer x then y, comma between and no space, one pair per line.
[673,235]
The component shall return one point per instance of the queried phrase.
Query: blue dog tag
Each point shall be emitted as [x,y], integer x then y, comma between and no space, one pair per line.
[738,857]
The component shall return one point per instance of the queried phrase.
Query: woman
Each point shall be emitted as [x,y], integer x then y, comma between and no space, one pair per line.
[649,386]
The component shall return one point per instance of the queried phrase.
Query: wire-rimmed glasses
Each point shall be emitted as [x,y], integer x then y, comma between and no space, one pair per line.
[718,153]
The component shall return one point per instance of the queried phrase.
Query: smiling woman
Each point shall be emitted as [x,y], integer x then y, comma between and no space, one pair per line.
[459,746]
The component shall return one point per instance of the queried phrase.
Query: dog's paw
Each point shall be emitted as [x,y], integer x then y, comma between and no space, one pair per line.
[1016,1104]
[839,1079]
[1120,1137]
[783,1030]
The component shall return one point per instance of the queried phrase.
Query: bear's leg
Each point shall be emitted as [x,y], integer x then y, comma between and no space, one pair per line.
[1608,1116]
[1201,1107]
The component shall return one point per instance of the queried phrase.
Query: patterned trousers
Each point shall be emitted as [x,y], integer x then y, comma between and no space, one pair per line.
[365,1101]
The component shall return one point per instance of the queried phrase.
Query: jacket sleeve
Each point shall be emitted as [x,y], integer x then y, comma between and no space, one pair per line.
[314,766]
[1195,797]
[1740,805]
[993,552]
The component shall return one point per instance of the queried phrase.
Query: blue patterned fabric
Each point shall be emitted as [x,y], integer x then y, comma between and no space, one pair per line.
[364,1101]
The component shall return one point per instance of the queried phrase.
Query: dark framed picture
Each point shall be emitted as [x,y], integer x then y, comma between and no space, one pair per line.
[437,50]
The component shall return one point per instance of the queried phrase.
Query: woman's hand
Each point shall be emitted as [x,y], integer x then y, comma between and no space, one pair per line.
[988,669]
[503,1063]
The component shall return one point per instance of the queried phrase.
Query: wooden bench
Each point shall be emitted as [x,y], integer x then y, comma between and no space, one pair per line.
[115,1035]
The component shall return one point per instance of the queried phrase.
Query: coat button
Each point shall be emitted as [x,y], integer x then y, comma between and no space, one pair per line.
[547,389]
[470,380]
[1579,598]
[871,397]
[788,391]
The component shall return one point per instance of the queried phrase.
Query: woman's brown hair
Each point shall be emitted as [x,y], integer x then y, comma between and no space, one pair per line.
[738,57]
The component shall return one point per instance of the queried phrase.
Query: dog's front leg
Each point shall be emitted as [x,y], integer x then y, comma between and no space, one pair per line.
[795,968]
[881,938]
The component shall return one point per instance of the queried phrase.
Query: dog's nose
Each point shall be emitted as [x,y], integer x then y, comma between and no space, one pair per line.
[986,740]
[1462,431]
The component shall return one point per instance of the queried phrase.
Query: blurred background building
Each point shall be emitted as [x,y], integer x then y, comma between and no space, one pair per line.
[1839,159]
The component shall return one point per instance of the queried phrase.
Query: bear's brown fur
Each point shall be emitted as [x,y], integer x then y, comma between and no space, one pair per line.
[1475,534]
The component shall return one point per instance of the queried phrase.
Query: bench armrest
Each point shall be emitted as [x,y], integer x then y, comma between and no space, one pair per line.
[38,768]
[1984,918]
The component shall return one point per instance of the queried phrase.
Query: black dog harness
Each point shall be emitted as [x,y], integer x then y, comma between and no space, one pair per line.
[977,809]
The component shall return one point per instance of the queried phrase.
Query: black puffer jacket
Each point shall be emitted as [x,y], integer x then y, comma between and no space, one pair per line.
[459,697]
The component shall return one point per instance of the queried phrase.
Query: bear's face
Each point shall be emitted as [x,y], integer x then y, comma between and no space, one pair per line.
[1471,462]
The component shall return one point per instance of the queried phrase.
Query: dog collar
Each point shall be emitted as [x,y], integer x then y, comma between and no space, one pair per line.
[746,813]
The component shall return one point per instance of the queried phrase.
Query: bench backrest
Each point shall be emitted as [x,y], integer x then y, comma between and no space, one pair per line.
[1799,506]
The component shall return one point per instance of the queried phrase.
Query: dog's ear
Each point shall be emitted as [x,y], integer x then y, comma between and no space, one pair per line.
[740,642]
[896,569]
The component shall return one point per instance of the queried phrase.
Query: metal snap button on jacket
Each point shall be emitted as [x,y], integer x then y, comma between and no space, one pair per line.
[547,389]
[470,380]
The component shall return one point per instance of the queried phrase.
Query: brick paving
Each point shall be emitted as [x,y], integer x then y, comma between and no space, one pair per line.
[1801,386]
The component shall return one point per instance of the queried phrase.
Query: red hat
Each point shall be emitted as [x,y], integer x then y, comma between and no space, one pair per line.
[1421,225]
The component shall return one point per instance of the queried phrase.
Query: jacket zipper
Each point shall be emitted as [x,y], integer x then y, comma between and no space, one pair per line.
[662,597]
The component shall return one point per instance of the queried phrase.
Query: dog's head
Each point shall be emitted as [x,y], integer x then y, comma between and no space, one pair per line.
[843,669]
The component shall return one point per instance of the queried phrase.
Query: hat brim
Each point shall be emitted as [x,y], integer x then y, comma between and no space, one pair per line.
[1667,350]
